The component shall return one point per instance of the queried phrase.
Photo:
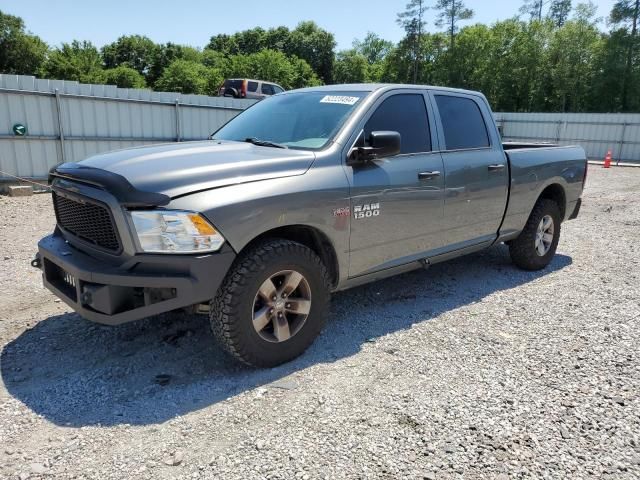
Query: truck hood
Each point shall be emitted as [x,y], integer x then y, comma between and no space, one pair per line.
[179,169]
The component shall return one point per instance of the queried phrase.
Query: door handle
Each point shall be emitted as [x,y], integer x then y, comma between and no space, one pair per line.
[428,175]
[496,166]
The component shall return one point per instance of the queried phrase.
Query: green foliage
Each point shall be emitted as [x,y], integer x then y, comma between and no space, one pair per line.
[314,45]
[80,61]
[123,77]
[559,11]
[572,53]
[533,8]
[307,41]
[185,76]
[289,72]
[413,23]
[20,52]
[351,67]
[134,51]
[164,55]
[373,48]
[626,15]
[450,12]
[551,62]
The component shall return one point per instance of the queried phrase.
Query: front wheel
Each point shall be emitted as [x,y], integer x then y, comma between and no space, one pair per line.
[536,245]
[272,304]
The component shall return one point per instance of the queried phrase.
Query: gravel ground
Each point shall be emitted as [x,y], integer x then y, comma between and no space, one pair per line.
[471,369]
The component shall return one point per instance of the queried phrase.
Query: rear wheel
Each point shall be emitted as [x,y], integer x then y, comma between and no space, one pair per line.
[536,245]
[272,304]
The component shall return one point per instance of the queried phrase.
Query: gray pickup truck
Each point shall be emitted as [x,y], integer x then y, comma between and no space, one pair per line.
[303,194]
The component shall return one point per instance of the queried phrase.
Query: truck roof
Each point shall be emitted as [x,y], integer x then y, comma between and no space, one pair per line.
[371,87]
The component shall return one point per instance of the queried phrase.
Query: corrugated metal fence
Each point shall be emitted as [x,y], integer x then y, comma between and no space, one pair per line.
[69,121]
[595,132]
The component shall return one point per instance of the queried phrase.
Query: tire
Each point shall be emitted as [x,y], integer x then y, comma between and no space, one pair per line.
[231,92]
[525,250]
[241,299]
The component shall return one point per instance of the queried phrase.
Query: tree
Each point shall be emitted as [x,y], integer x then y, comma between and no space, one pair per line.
[373,48]
[609,67]
[533,8]
[134,51]
[303,74]
[20,52]
[559,11]
[474,46]
[314,45]
[586,12]
[626,14]
[450,13]
[225,44]
[572,52]
[124,77]
[166,54]
[186,76]
[350,67]
[77,60]
[307,41]
[412,20]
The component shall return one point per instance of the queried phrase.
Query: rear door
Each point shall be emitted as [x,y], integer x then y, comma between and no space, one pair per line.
[475,167]
[396,202]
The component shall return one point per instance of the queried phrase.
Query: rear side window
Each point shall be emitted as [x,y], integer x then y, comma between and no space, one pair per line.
[462,123]
[252,86]
[407,115]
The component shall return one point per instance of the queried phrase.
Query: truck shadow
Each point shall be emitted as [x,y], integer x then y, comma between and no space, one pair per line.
[75,373]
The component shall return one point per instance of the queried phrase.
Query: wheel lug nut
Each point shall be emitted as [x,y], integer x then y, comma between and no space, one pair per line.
[288,305]
[274,298]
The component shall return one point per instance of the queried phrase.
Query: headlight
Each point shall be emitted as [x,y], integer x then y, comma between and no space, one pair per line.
[175,231]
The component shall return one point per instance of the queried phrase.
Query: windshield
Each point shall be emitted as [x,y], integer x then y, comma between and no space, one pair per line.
[305,120]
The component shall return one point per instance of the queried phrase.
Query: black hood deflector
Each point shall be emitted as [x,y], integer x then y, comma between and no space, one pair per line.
[113,183]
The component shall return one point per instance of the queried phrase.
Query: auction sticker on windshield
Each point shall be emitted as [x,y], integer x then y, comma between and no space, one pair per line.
[344,100]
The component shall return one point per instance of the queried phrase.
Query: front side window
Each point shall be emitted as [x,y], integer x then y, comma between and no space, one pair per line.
[407,115]
[306,120]
[277,89]
[462,123]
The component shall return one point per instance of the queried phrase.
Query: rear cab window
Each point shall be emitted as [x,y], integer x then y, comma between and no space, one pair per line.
[462,122]
[405,113]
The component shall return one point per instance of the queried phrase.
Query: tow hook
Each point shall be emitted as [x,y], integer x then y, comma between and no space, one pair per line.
[37,262]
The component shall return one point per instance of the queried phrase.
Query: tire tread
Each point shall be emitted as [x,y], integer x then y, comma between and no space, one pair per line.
[228,301]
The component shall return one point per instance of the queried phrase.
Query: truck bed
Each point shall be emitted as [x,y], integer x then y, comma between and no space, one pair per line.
[534,167]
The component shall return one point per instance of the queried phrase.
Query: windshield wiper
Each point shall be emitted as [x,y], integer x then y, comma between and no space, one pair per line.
[264,143]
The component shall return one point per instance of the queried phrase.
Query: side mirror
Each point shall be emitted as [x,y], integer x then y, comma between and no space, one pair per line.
[381,144]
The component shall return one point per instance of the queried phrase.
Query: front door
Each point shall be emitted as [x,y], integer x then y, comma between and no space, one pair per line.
[396,202]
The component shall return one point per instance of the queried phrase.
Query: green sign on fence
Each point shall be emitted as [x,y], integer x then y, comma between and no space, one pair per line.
[19,130]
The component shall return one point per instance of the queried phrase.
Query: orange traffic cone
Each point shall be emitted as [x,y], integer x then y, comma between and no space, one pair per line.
[607,159]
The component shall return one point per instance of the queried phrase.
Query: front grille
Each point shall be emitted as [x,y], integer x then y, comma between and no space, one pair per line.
[91,222]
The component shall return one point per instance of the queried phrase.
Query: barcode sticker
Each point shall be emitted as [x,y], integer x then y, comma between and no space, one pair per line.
[344,100]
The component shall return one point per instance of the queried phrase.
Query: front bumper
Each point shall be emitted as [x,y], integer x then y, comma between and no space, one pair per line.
[142,286]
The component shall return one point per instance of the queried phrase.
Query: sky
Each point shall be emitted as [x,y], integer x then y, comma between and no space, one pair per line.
[195,21]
